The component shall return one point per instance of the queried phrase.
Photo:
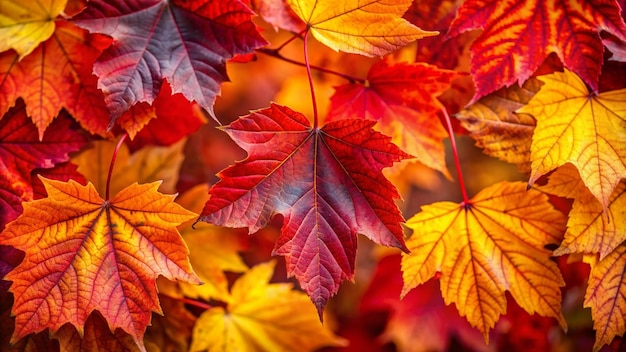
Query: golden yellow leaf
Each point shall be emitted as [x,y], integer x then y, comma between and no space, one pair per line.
[575,126]
[365,27]
[262,317]
[25,24]
[590,227]
[606,296]
[212,250]
[148,164]
[495,127]
[492,244]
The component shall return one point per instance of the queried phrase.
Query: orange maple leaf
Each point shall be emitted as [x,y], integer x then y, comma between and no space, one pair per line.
[491,244]
[606,296]
[370,28]
[578,127]
[56,75]
[84,253]
[262,317]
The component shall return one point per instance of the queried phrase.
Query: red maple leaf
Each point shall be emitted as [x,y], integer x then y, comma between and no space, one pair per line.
[326,182]
[185,42]
[21,152]
[519,35]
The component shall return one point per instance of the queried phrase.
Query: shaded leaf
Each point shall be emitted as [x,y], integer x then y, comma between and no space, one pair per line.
[168,120]
[606,296]
[262,317]
[172,331]
[519,35]
[495,126]
[84,254]
[326,182]
[148,164]
[403,98]
[21,152]
[25,24]
[365,27]
[577,127]
[56,75]
[278,14]
[96,336]
[185,42]
[493,244]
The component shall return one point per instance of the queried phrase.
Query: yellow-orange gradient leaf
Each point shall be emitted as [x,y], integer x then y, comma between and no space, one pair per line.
[25,24]
[495,127]
[606,296]
[262,317]
[578,127]
[590,228]
[212,250]
[365,27]
[84,254]
[494,243]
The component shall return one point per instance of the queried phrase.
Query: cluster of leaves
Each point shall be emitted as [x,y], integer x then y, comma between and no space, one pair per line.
[83,242]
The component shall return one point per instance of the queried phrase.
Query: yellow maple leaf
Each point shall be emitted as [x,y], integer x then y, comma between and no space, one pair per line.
[25,24]
[262,317]
[212,250]
[590,227]
[365,27]
[492,244]
[606,296]
[84,253]
[495,127]
[148,164]
[575,126]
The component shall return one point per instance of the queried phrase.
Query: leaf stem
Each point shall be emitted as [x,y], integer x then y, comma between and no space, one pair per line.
[276,54]
[296,35]
[117,148]
[310,76]
[455,152]
[189,301]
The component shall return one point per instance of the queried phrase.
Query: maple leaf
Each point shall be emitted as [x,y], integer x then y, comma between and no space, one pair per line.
[519,35]
[148,164]
[365,27]
[590,227]
[84,254]
[185,42]
[21,152]
[497,129]
[402,97]
[57,75]
[577,127]
[492,244]
[606,296]
[25,24]
[326,182]
[262,317]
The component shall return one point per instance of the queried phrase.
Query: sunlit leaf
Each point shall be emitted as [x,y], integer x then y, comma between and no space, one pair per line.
[366,27]
[493,244]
